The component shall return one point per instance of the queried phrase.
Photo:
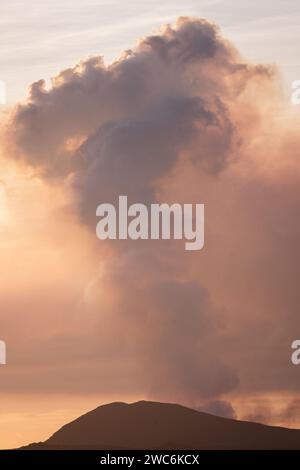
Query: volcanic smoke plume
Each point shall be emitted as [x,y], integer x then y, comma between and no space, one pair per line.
[182,117]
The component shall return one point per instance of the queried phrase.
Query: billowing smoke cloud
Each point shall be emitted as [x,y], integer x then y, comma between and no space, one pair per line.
[180,118]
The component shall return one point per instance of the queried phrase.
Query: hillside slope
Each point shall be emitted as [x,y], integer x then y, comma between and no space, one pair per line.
[153,425]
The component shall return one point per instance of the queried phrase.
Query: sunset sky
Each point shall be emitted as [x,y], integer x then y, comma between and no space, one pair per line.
[178,113]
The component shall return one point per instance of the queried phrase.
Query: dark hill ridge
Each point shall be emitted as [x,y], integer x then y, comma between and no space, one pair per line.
[153,425]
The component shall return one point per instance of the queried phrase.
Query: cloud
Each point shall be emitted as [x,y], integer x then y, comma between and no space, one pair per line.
[182,117]
[186,72]
[219,408]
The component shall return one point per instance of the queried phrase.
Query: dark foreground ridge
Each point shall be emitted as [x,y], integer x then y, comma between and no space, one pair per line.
[162,426]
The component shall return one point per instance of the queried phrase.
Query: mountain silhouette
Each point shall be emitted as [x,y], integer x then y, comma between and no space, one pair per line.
[152,425]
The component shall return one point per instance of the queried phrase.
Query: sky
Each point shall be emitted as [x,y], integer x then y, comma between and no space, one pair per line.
[180,113]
